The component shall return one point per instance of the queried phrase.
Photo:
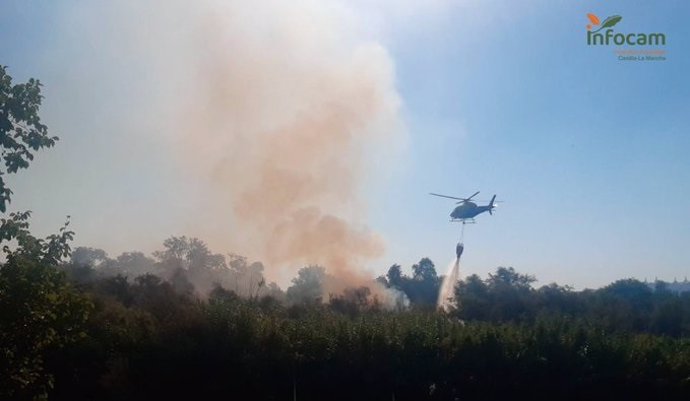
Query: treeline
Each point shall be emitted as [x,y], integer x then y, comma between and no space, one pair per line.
[89,328]
[168,346]
[507,296]
[187,263]
[624,306]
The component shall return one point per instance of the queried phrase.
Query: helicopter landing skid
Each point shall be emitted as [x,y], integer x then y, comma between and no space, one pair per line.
[463,221]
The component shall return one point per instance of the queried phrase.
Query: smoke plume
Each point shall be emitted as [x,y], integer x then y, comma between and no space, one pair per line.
[270,117]
[286,114]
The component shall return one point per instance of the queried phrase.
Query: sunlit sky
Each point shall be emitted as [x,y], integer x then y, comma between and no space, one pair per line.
[589,153]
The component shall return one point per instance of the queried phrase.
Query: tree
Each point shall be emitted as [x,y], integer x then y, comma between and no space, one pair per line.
[246,279]
[307,287]
[395,276]
[85,256]
[189,253]
[420,289]
[425,284]
[21,130]
[625,304]
[505,296]
[472,296]
[49,251]
[424,270]
[508,277]
[39,311]
[21,134]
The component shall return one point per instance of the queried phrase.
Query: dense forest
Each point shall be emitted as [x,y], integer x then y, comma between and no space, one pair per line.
[74,330]
[186,323]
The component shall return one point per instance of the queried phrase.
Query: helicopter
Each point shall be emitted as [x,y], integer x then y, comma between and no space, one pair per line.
[468,210]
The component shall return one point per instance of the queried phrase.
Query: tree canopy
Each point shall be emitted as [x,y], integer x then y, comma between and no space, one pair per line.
[21,130]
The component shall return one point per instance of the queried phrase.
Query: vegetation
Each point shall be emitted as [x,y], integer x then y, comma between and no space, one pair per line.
[21,130]
[113,337]
[190,324]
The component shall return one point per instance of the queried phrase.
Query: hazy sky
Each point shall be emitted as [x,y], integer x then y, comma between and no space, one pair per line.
[589,153]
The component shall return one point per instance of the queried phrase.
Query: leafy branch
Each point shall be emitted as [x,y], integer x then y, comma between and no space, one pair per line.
[21,130]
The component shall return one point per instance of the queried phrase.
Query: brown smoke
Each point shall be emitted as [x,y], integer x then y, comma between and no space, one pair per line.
[288,102]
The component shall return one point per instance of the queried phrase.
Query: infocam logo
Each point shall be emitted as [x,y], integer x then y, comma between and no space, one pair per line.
[610,37]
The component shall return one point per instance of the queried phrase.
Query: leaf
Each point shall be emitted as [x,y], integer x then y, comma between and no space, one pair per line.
[594,19]
[611,21]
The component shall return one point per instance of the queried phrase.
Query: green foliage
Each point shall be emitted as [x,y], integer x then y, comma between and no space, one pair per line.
[21,134]
[424,270]
[49,251]
[39,311]
[168,346]
[21,130]
[152,338]
[395,276]
[508,278]
[421,289]
[623,306]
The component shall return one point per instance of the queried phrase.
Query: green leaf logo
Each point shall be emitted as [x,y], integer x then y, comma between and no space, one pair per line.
[609,22]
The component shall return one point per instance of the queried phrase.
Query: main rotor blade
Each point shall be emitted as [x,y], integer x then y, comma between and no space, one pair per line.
[473,195]
[446,196]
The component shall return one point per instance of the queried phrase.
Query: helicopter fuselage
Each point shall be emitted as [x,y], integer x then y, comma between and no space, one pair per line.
[468,210]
